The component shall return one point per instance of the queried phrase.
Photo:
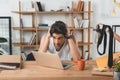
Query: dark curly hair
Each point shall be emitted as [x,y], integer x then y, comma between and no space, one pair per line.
[58,27]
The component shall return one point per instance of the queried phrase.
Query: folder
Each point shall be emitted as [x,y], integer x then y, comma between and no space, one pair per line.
[103,61]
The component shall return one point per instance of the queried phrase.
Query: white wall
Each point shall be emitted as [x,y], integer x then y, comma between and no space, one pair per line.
[101,14]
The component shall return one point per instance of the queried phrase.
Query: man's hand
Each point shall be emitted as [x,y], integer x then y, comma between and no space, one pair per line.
[69,33]
[107,30]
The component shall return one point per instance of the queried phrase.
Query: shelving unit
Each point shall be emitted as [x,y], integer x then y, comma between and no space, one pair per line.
[34,27]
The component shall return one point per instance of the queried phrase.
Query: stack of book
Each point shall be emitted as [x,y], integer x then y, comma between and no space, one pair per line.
[42,25]
[9,62]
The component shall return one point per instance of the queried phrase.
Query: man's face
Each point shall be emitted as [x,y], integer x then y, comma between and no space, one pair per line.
[58,40]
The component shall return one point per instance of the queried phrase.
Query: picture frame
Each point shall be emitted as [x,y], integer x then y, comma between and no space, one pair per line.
[5,35]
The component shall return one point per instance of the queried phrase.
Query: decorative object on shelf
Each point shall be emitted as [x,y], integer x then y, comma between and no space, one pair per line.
[68,8]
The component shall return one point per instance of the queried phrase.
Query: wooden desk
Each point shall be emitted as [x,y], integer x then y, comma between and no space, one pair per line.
[32,71]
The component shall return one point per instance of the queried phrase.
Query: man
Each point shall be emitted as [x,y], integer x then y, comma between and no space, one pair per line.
[59,40]
[116,36]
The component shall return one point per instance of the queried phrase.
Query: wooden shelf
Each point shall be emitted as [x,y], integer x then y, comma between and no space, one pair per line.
[24,12]
[24,44]
[55,12]
[30,46]
[30,28]
[44,29]
[49,12]
[18,43]
[83,43]
[82,28]
[36,19]
[25,28]
[82,12]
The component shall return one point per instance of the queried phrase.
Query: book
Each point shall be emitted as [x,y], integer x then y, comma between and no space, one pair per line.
[24,56]
[81,23]
[85,23]
[32,39]
[36,6]
[42,24]
[76,23]
[9,61]
[21,23]
[6,66]
[79,5]
[39,6]
[82,6]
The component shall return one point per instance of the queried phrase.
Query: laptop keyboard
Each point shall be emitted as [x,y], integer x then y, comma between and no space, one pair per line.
[64,65]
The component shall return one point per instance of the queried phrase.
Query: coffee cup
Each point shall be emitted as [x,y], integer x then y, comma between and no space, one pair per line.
[81,64]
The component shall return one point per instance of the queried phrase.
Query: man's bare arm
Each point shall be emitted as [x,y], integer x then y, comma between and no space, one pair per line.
[74,49]
[44,43]
[117,37]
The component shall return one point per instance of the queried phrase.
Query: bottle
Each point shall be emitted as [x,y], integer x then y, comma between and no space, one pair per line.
[86,55]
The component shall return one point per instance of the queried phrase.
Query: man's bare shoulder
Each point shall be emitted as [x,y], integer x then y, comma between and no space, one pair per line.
[44,35]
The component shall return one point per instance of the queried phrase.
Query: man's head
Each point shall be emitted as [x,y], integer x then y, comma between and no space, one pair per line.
[58,31]
[58,27]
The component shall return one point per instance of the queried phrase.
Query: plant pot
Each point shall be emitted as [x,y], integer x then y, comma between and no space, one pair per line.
[116,75]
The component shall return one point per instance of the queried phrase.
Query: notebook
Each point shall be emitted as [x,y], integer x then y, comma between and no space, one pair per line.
[50,60]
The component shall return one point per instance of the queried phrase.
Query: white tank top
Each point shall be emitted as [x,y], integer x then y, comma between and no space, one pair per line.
[64,52]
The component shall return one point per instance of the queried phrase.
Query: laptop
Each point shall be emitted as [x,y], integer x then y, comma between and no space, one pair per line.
[50,60]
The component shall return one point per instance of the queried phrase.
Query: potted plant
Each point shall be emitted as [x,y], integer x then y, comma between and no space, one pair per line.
[117,71]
